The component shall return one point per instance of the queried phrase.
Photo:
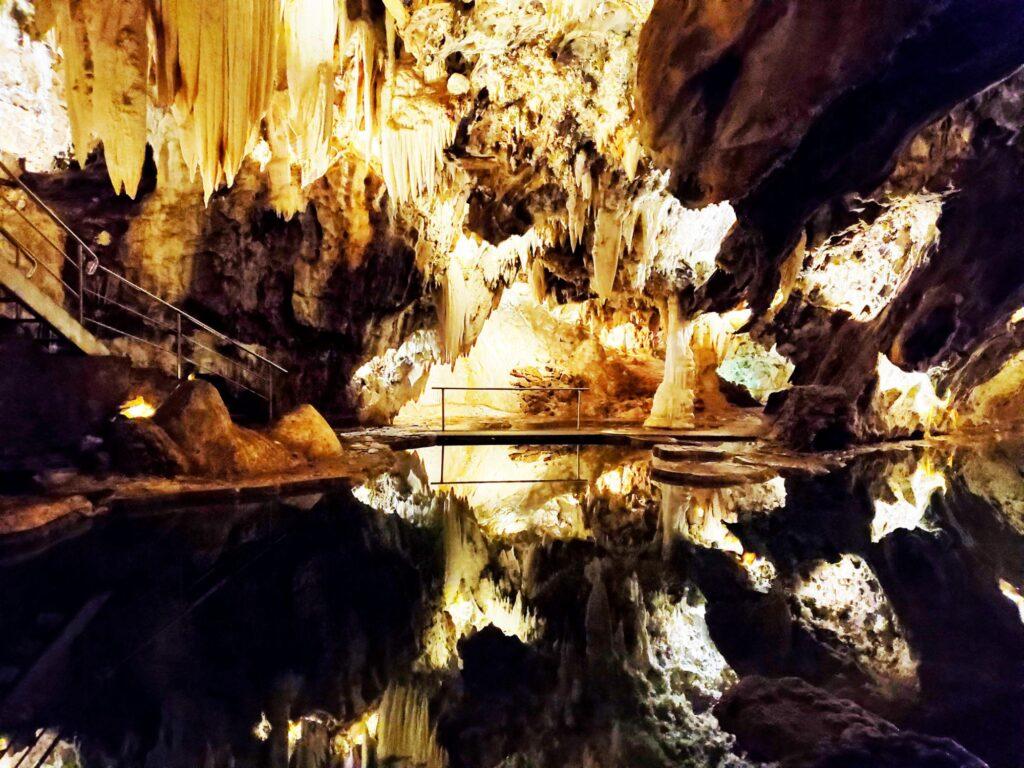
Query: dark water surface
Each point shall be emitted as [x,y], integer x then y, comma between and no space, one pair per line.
[575,613]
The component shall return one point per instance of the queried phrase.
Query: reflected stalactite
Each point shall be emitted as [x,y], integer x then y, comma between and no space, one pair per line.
[471,599]
[845,600]
[703,515]
[904,500]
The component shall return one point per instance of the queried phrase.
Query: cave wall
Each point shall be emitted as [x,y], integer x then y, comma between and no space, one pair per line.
[527,152]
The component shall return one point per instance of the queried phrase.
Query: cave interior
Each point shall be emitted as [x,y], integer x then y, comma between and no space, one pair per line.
[511,383]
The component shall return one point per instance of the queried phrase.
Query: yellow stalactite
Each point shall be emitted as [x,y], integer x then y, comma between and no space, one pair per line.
[310,30]
[120,57]
[70,19]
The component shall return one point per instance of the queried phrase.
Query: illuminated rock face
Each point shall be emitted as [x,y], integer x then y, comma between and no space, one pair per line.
[32,107]
[357,188]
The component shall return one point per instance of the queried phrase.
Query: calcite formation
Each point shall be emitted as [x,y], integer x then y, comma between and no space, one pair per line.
[394,196]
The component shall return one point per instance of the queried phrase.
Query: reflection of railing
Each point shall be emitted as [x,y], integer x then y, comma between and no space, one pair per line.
[578,390]
[151,320]
[575,480]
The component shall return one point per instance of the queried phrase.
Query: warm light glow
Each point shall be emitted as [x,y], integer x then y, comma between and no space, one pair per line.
[845,599]
[998,398]
[912,496]
[263,728]
[1012,594]
[906,401]
[862,269]
[137,408]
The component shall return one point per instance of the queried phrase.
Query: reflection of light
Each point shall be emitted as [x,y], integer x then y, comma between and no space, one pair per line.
[262,729]
[702,516]
[1013,595]
[356,734]
[862,269]
[622,337]
[621,480]
[907,398]
[681,643]
[913,496]
[845,599]
[137,408]
[294,734]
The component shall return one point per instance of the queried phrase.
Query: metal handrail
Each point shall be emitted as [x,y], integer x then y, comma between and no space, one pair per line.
[578,390]
[88,263]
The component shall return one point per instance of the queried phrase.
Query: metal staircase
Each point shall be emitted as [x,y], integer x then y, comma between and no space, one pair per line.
[104,311]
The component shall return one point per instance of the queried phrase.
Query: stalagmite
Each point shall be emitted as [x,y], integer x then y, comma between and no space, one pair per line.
[673,402]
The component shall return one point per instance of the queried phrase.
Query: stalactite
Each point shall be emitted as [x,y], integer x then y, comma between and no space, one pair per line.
[651,213]
[220,58]
[70,20]
[580,198]
[310,30]
[412,156]
[359,56]
[106,69]
[538,280]
[471,289]
[404,731]
[606,250]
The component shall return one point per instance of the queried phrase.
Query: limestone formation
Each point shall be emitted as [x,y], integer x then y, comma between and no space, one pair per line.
[358,188]
[195,417]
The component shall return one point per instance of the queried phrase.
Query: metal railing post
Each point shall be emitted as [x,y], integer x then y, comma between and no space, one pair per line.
[270,399]
[81,285]
[442,408]
[579,398]
[177,347]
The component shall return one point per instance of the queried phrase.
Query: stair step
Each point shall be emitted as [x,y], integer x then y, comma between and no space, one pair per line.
[55,317]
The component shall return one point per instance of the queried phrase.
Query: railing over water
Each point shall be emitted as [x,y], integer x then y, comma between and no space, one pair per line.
[102,300]
[578,390]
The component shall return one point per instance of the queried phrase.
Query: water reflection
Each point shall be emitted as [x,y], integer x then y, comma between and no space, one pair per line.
[579,612]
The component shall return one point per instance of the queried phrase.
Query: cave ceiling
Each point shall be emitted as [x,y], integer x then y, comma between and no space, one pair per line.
[354,186]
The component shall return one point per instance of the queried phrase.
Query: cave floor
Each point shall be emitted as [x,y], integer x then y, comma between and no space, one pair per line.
[742,426]
[711,457]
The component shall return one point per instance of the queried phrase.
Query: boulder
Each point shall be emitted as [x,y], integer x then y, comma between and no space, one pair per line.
[813,417]
[789,721]
[142,447]
[196,418]
[306,432]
